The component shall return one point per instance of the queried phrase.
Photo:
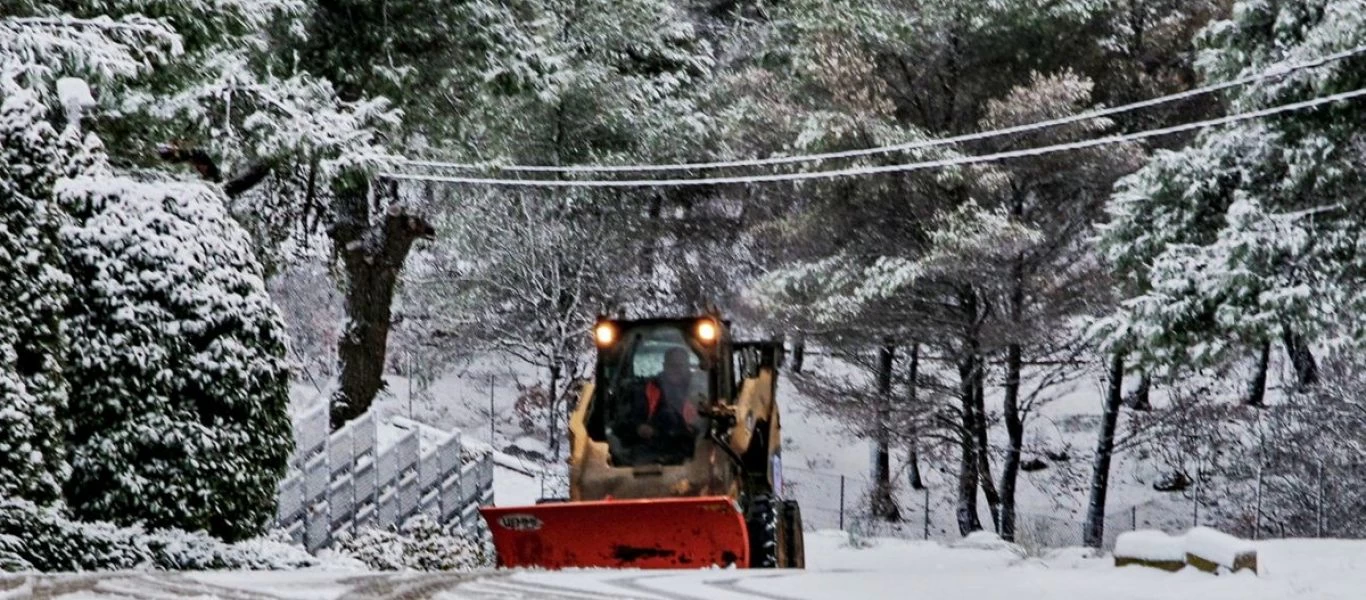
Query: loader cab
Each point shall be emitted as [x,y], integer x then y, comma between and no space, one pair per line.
[657,380]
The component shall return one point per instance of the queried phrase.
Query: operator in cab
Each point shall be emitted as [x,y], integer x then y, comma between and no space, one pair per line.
[665,414]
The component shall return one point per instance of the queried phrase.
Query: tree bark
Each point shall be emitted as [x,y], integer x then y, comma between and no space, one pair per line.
[1014,420]
[912,404]
[1306,368]
[1010,470]
[984,478]
[1256,393]
[884,501]
[1093,532]
[372,255]
[1142,398]
[552,427]
[968,520]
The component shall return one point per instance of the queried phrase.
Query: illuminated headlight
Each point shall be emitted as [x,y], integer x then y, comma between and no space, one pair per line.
[604,334]
[707,331]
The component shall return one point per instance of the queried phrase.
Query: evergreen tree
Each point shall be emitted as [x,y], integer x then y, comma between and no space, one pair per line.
[1251,233]
[33,293]
[179,389]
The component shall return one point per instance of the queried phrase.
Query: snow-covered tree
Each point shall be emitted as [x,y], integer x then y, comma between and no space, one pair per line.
[512,278]
[591,81]
[1250,234]
[33,295]
[176,358]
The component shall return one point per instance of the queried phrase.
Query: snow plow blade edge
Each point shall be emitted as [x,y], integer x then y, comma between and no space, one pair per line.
[656,533]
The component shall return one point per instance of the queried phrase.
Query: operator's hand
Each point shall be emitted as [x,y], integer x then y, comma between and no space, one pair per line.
[645,431]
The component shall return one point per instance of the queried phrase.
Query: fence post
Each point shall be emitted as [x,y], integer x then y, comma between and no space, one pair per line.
[1257,516]
[1319,517]
[841,503]
[1133,518]
[926,490]
[1195,516]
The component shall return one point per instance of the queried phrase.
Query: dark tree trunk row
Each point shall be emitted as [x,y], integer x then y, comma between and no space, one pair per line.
[1093,532]
[912,403]
[884,503]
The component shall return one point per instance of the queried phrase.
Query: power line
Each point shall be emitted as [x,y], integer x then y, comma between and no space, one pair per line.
[1274,72]
[898,168]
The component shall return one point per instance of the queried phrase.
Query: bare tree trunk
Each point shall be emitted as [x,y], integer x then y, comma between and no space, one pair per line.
[1142,399]
[1256,393]
[968,520]
[1010,470]
[552,425]
[1306,368]
[912,401]
[798,351]
[372,255]
[1014,420]
[1093,532]
[984,479]
[884,502]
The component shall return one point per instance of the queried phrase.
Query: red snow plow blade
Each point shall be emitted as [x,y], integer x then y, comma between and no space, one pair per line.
[662,533]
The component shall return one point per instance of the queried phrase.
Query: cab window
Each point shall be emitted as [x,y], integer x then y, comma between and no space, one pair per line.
[655,388]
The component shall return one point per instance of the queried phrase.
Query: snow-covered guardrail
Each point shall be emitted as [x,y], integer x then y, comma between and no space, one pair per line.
[377,474]
[1203,548]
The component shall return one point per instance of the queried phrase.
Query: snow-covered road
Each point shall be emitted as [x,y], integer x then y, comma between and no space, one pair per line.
[1326,570]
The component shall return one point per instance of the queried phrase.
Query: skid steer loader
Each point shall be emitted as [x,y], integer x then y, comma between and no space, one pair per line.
[675,459]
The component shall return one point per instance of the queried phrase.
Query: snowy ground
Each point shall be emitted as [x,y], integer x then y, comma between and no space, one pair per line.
[889,569]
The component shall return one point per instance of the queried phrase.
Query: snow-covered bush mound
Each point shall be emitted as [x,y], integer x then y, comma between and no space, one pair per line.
[421,544]
[34,538]
[177,370]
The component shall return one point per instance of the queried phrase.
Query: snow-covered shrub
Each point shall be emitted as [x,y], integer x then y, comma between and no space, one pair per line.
[45,539]
[179,389]
[421,544]
[33,293]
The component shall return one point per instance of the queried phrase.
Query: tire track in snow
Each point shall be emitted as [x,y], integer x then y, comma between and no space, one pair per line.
[409,586]
[507,588]
[729,586]
[733,585]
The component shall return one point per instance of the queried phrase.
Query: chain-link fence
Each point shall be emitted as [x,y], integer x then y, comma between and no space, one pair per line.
[1314,499]
[838,501]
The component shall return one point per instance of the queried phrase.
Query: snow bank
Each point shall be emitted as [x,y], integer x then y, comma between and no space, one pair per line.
[1149,545]
[985,540]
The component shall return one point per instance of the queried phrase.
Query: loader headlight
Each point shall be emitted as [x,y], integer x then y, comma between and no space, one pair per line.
[707,331]
[604,334]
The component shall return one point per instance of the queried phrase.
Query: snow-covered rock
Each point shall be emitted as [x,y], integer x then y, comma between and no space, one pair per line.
[1207,548]
[1150,545]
